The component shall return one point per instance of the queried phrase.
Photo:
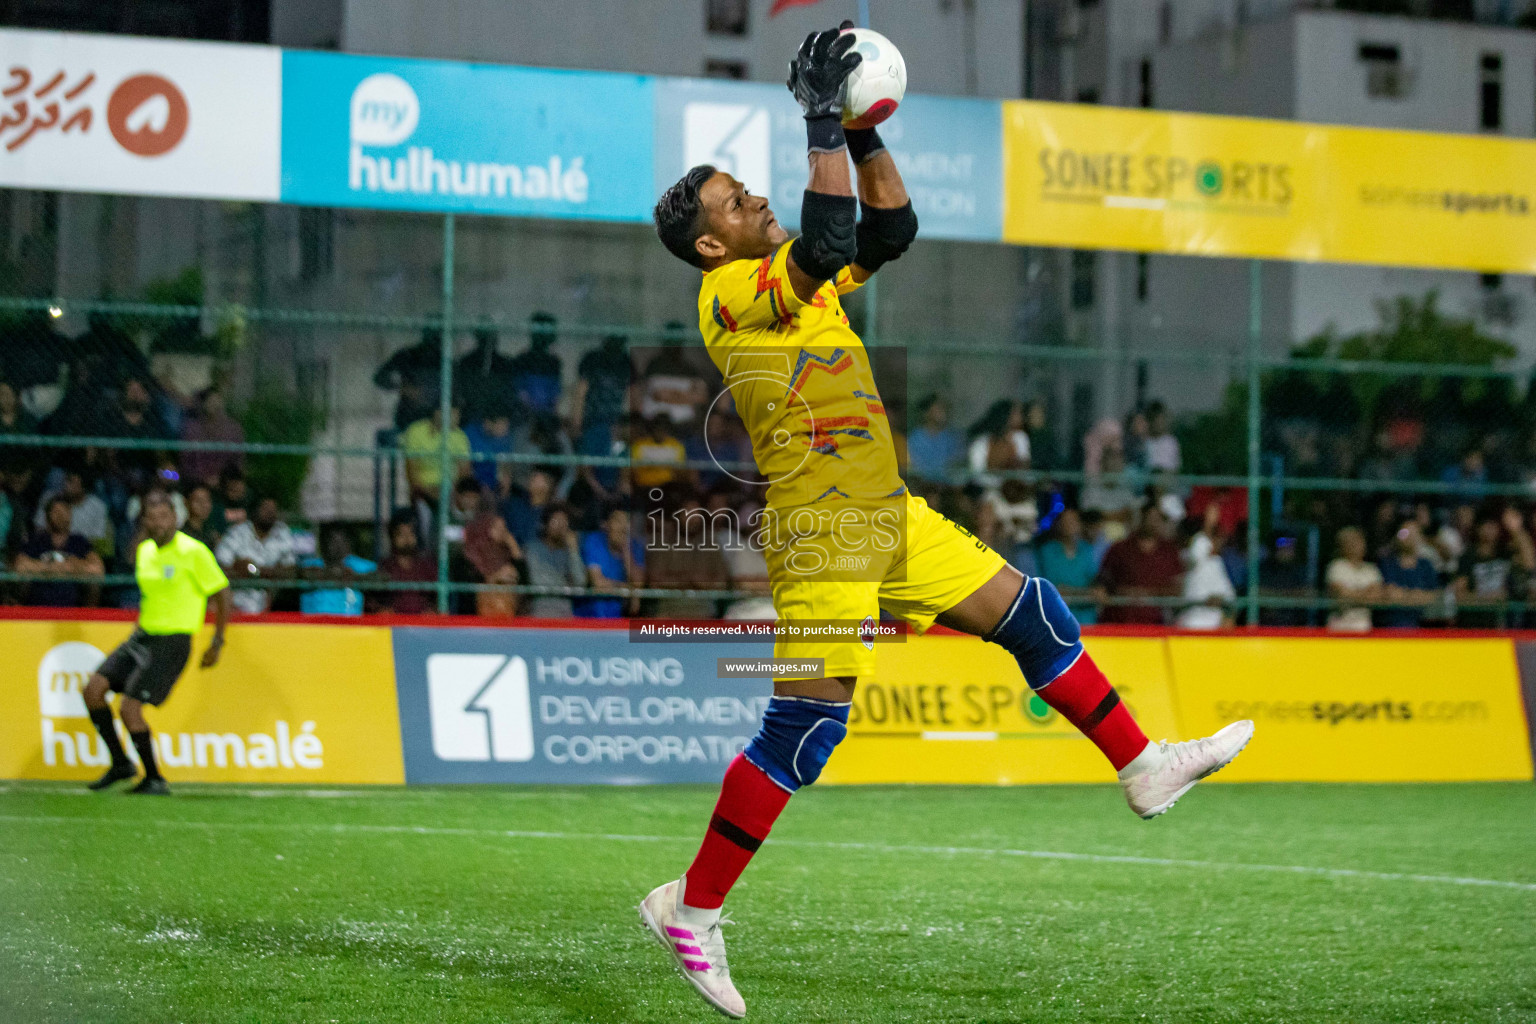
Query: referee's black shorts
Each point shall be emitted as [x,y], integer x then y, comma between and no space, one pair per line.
[146,666]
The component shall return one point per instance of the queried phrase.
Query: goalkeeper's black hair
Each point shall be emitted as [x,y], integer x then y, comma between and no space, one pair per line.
[679,215]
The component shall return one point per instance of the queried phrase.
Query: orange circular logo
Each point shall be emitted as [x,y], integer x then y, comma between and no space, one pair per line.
[147,115]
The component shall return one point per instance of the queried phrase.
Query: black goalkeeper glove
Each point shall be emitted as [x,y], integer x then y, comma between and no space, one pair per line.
[816,77]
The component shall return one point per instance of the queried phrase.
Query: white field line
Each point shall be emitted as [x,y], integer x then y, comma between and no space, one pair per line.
[804,844]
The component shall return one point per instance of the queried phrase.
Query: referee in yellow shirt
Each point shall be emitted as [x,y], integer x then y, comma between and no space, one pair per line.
[176,576]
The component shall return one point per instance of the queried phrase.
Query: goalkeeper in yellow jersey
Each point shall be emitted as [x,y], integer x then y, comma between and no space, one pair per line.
[843,538]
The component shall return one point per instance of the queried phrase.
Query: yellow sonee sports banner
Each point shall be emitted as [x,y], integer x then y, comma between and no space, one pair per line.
[286,703]
[952,709]
[1107,178]
[1351,710]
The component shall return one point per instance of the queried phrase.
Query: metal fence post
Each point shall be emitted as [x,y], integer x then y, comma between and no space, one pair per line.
[1255,350]
[445,406]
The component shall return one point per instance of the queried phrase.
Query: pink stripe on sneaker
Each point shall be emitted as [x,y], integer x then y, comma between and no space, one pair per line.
[696,965]
[695,950]
[679,933]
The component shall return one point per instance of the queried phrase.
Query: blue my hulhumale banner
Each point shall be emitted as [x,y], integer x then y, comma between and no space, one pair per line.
[949,150]
[477,138]
[569,705]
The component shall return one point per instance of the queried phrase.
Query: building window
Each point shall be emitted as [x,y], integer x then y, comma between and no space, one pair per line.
[1143,276]
[1491,93]
[725,68]
[1491,282]
[1165,23]
[1144,84]
[1089,95]
[1385,77]
[725,17]
[1084,266]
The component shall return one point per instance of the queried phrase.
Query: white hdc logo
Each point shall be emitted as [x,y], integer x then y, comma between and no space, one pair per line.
[479,707]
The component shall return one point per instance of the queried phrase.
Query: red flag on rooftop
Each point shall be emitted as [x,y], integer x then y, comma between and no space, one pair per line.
[784,5]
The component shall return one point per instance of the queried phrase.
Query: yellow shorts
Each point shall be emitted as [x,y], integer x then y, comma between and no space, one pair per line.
[939,565]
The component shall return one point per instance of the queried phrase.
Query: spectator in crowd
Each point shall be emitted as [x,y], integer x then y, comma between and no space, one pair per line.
[1162,446]
[260,548]
[744,560]
[56,550]
[603,379]
[1098,535]
[485,381]
[1351,577]
[1162,492]
[1145,564]
[1138,434]
[1070,562]
[490,549]
[615,563]
[1468,478]
[541,436]
[337,562]
[1009,519]
[537,370]
[1455,534]
[1107,492]
[232,500]
[553,559]
[1044,451]
[134,420]
[1410,582]
[934,449]
[489,436]
[1206,584]
[407,563]
[998,442]
[88,514]
[672,385]
[421,444]
[212,424]
[416,373]
[1496,568]
[657,445]
[199,522]
[1282,574]
[7,518]
[524,508]
[685,555]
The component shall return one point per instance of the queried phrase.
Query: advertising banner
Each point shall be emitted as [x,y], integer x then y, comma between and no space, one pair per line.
[1352,710]
[89,113]
[949,150]
[570,705]
[474,138]
[952,709]
[271,711]
[1094,177]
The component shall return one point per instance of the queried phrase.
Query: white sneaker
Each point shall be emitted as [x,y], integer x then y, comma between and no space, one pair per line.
[1174,768]
[697,947]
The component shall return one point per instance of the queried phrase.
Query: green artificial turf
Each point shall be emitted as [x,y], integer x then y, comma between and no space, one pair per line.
[870,904]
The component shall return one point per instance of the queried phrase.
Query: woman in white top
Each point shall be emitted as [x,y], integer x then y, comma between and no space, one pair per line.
[1351,578]
[998,442]
[1207,582]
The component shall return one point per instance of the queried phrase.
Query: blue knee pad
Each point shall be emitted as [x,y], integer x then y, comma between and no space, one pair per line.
[1040,631]
[796,738]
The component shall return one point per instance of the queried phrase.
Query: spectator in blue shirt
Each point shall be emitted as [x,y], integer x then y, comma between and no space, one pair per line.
[1410,581]
[339,563]
[615,562]
[491,435]
[537,370]
[935,448]
[1069,561]
[1469,477]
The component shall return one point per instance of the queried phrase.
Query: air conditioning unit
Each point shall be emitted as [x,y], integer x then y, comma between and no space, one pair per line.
[1500,308]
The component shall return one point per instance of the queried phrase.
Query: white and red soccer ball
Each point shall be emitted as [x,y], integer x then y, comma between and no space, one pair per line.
[874,89]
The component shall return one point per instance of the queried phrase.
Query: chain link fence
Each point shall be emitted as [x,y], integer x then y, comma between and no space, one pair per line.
[1386,476]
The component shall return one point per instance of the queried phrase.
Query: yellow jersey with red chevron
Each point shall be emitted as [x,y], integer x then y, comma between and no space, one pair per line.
[802,383]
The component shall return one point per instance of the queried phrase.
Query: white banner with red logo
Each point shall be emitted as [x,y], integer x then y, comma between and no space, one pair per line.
[136,116]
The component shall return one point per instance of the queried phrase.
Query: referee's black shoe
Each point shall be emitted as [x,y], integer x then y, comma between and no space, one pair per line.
[117,773]
[151,787]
